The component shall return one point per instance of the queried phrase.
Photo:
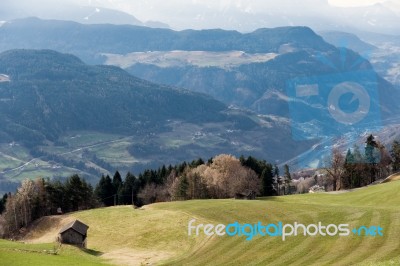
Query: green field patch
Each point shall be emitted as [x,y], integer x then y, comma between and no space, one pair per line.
[115,153]
[7,162]
[57,150]
[16,151]
[12,156]
[39,172]
[16,253]
[82,138]
[181,134]
[176,143]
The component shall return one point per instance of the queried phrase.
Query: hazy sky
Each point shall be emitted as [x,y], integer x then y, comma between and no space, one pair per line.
[243,15]
[150,9]
[332,2]
[160,4]
[250,14]
[354,2]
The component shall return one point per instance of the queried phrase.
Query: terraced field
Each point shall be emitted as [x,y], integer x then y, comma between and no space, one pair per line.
[157,234]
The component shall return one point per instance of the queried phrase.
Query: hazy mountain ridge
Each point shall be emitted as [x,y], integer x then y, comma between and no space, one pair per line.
[90,41]
[382,50]
[86,14]
[243,86]
[258,85]
[348,40]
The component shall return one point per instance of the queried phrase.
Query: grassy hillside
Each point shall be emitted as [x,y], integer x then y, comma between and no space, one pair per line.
[376,205]
[158,233]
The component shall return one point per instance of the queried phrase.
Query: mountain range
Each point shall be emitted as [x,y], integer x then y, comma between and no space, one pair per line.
[61,10]
[294,52]
[223,92]
[91,42]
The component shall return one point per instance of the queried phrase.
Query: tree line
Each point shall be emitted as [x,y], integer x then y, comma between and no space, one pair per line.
[220,177]
[41,197]
[357,168]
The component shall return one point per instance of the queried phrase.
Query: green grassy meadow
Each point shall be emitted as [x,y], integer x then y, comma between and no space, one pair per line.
[157,234]
[14,253]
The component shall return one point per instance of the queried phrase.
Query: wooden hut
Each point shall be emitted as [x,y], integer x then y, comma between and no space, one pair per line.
[247,194]
[74,233]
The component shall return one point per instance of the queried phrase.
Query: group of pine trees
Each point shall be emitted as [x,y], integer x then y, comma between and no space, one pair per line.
[357,168]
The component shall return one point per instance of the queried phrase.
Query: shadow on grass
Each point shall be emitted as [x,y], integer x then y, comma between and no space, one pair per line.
[271,198]
[92,252]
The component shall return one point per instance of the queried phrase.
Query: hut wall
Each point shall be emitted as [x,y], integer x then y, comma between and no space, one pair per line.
[72,237]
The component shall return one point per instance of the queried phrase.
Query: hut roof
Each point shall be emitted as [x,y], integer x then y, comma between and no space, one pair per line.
[76,225]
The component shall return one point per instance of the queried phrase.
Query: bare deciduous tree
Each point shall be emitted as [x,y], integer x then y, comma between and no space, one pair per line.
[154,193]
[334,168]
[226,176]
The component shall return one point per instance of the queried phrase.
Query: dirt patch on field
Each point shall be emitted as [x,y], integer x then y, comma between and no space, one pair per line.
[132,257]
[339,191]
[45,229]
[391,178]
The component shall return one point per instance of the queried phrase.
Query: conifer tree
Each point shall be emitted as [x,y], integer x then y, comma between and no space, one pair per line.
[288,177]
[267,182]
[183,187]
[117,183]
[105,191]
[130,189]
[395,153]
[349,170]
[371,157]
